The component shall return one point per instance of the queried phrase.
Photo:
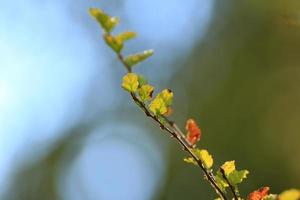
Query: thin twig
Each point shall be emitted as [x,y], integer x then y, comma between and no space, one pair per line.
[177,129]
[230,185]
[120,57]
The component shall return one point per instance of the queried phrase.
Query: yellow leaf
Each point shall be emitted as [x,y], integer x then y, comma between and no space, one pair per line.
[128,35]
[145,92]
[107,22]
[158,106]
[228,167]
[205,157]
[292,194]
[115,43]
[234,176]
[237,176]
[130,82]
[167,96]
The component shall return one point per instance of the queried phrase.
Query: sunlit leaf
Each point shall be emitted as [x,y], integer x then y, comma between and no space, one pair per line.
[259,194]
[107,22]
[292,194]
[234,176]
[193,132]
[115,43]
[134,59]
[158,106]
[220,181]
[167,96]
[190,160]
[228,167]
[128,35]
[145,92]
[130,82]
[237,177]
[204,156]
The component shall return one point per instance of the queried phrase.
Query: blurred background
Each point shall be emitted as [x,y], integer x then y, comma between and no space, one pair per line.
[69,132]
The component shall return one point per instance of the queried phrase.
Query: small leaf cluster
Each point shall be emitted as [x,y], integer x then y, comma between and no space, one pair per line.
[203,155]
[159,105]
[116,42]
[227,174]
[135,84]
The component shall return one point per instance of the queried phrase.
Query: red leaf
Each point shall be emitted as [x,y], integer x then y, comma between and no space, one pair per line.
[259,194]
[194,132]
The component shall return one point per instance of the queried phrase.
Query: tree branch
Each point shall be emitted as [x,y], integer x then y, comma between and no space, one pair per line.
[175,132]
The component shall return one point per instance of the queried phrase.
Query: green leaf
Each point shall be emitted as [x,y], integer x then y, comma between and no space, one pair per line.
[115,43]
[130,82]
[142,80]
[203,155]
[234,176]
[237,177]
[220,181]
[128,35]
[190,160]
[107,22]
[167,96]
[145,92]
[158,106]
[134,59]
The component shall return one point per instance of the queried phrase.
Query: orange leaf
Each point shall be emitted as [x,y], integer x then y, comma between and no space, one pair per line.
[258,194]
[194,132]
